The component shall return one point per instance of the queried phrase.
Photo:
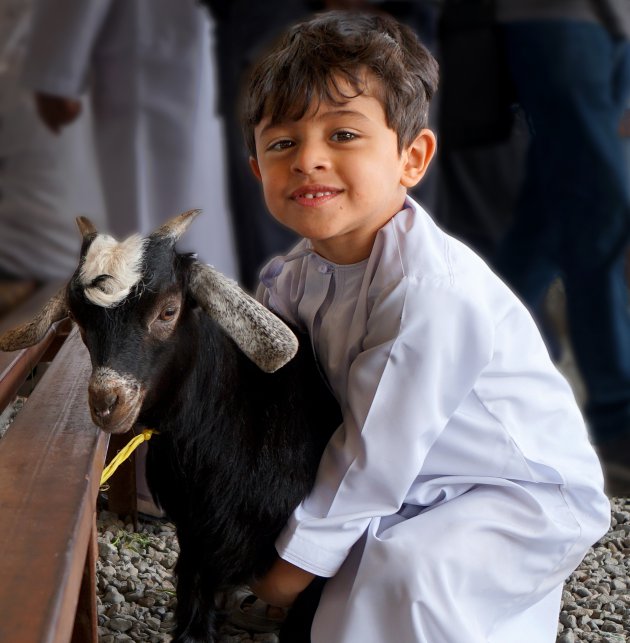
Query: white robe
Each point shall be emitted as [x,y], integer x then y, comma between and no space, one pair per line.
[39,193]
[461,488]
[148,67]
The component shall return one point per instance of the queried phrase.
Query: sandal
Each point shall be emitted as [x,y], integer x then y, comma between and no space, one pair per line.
[246,611]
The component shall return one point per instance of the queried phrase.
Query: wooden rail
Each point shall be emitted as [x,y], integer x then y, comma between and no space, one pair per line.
[51,459]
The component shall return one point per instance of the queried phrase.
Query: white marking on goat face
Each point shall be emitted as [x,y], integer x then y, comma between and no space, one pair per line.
[103,377]
[118,263]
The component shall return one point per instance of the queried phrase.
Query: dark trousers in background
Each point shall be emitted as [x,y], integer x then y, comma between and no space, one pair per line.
[573,217]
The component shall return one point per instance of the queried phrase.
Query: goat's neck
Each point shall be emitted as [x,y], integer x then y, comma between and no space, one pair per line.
[203,376]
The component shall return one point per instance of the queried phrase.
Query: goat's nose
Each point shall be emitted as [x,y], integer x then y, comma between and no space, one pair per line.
[103,402]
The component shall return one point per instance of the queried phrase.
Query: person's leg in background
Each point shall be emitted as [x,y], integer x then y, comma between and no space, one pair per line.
[574,213]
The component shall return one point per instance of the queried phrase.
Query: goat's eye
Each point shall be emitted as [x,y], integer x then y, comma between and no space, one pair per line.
[168,314]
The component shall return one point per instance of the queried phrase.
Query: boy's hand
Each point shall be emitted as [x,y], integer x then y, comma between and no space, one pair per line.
[56,111]
[282,584]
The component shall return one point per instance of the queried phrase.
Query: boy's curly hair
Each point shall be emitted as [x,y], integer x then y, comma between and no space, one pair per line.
[305,67]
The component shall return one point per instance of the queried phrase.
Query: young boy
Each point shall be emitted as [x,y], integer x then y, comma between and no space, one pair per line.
[461,488]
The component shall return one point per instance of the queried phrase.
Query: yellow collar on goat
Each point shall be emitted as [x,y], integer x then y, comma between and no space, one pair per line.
[125,452]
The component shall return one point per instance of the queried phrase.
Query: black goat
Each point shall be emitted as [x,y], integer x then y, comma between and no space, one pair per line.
[238,447]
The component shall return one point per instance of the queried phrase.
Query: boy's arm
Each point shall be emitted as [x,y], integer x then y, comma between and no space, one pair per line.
[426,342]
[282,584]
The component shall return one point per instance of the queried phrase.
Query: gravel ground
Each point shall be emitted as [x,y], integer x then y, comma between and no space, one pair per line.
[8,415]
[136,593]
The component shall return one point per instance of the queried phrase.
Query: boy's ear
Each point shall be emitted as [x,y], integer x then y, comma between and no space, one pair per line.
[418,156]
[253,163]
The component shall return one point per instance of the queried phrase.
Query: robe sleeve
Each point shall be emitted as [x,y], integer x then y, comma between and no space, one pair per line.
[62,38]
[426,344]
[262,295]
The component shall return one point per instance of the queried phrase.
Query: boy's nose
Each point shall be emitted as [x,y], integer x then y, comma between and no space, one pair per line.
[310,158]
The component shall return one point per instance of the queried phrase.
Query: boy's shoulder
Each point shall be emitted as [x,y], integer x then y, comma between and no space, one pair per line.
[412,245]
[414,256]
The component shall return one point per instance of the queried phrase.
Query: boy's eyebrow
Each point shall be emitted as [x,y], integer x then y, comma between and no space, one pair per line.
[343,112]
[329,114]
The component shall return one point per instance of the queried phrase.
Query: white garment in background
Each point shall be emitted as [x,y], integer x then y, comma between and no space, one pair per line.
[147,65]
[45,180]
[461,488]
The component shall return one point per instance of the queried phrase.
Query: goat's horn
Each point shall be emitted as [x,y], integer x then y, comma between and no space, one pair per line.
[260,334]
[176,227]
[86,227]
[33,331]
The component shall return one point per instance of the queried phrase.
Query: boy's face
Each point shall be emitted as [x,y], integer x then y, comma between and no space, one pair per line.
[335,176]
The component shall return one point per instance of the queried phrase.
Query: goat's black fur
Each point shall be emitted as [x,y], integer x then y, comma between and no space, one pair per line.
[231,481]
[237,448]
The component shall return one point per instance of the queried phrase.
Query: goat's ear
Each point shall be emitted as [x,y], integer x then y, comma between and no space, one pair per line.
[260,334]
[31,332]
[175,227]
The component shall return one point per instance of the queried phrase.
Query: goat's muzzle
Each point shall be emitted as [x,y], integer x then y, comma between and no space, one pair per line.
[115,400]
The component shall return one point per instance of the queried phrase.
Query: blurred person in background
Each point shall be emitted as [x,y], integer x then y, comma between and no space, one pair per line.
[148,69]
[567,63]
[482,148]
[39,193]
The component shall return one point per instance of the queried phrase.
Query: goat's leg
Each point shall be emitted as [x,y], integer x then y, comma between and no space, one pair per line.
[196,611]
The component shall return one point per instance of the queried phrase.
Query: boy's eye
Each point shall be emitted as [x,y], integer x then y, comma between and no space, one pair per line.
[281,145]
[343,136]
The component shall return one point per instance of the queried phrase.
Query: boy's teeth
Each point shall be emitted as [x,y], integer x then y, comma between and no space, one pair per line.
[317,194]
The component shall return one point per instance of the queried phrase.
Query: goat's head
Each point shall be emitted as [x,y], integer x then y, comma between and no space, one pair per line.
[129,301]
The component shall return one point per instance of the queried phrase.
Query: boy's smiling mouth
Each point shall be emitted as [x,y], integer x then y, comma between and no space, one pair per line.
[311,195]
